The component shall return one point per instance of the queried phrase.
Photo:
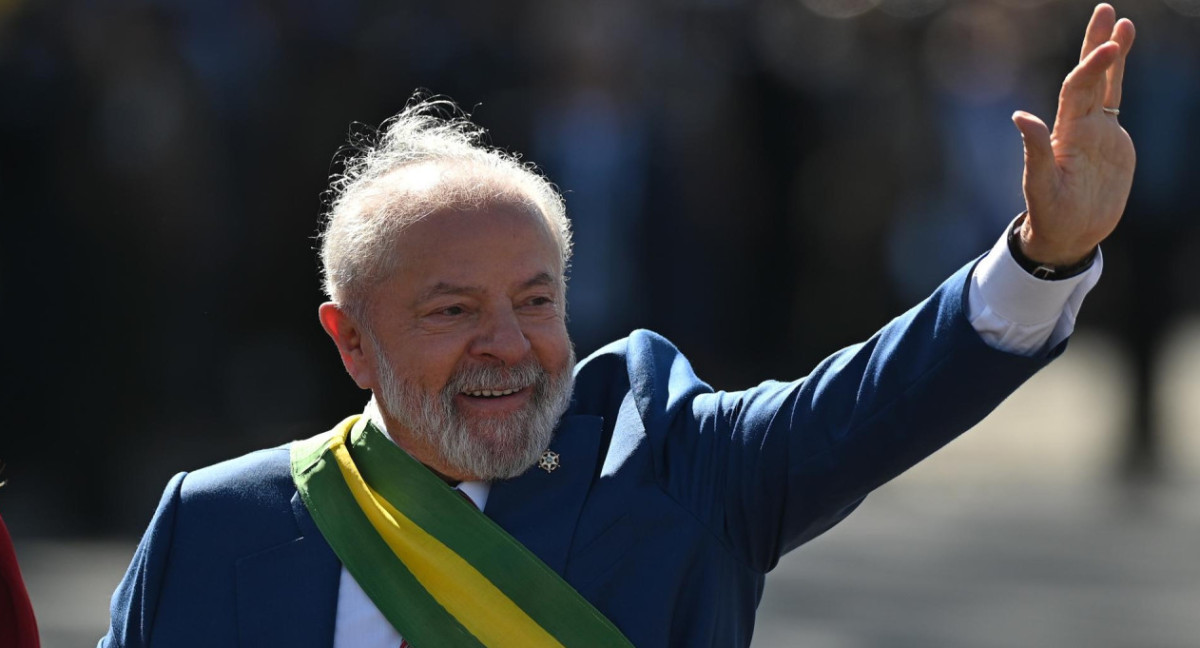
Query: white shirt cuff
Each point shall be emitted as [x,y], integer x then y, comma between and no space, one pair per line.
[1016,312]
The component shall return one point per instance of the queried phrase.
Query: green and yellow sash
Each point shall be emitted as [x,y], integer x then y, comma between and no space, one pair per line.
[441,572]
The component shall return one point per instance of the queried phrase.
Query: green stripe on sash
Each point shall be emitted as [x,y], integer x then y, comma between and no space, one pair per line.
[458,558]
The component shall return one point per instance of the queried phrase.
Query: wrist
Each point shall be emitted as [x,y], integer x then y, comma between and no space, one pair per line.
[1050,262]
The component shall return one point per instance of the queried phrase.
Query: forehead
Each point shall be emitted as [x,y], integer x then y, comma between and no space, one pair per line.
[492,246]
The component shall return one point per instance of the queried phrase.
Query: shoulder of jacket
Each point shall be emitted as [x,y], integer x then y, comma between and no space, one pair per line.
[253,478]
[644,364]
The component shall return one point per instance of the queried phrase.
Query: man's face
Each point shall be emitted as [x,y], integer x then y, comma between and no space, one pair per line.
[469,341]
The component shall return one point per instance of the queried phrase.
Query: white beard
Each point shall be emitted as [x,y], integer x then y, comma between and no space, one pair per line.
[491,448]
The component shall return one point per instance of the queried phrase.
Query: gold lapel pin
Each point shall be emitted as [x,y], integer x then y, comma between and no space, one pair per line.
[549,461]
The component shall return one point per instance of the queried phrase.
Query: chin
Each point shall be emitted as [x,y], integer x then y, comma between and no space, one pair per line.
[495,457]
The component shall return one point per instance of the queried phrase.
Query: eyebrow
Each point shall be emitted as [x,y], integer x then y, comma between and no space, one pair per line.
[445,288]
[539,279]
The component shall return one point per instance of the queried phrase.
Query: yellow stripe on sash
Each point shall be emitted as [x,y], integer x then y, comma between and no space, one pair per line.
[481,608]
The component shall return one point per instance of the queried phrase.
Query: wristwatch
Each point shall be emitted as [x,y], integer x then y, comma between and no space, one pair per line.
[1042,270]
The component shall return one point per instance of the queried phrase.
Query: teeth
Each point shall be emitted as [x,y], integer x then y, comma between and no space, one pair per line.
[488,393]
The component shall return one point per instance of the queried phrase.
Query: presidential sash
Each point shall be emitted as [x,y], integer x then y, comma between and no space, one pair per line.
[442,573]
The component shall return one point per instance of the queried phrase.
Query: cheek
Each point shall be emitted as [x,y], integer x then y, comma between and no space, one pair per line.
[430,367]
[553,348]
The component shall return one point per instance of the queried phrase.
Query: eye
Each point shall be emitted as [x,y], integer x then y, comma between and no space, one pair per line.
[453,311]
[539,303]
[447,315]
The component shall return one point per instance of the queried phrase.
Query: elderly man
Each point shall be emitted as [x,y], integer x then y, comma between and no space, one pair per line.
[617,502]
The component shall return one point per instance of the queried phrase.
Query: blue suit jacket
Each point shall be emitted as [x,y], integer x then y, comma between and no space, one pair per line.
[671,504]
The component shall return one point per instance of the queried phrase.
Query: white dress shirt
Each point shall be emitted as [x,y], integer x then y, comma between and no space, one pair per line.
[1011,309]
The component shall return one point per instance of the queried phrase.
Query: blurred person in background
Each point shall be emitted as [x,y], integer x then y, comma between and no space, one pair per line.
[18,625]
[494,492]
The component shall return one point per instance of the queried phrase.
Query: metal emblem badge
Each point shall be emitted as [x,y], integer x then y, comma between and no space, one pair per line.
[549,461]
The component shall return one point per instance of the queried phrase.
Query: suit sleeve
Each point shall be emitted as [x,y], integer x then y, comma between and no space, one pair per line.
[774,466]
[134,603]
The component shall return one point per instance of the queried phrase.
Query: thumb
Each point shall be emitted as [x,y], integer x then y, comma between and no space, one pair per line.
[1040,166]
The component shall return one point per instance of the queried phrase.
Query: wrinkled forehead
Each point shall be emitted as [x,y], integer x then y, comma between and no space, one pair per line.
[494,250]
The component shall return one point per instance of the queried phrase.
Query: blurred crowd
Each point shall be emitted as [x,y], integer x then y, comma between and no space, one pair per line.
[763,181]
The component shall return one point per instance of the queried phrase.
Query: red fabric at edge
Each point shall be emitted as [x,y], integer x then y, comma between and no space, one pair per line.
[18,626]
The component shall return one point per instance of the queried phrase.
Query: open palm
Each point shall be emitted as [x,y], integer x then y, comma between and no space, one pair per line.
[1077,179]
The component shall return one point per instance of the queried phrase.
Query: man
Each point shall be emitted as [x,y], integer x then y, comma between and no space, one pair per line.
[656,505]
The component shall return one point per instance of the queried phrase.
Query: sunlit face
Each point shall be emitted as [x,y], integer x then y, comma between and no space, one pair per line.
[468,338]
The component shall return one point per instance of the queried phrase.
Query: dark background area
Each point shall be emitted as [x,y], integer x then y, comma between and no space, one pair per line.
[760,181]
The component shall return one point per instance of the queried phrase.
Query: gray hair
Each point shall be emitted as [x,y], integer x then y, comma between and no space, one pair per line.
[366,212]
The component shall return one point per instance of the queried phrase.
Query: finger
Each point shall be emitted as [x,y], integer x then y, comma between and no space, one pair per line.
[1084,88]
[1123,34]
[1099,29]
[1040,167]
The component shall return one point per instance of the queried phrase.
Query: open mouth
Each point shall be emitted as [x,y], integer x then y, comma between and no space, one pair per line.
[491,393]
[495,401]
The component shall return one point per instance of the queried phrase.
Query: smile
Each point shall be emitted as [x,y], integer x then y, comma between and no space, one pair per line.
[491,393]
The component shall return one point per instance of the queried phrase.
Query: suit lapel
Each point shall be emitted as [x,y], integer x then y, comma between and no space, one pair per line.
[287,595]
[540,509]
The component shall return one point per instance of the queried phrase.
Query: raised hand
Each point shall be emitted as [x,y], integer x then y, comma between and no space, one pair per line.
[1077,178]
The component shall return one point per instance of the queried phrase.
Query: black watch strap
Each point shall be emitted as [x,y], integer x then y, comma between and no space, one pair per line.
[1041,270]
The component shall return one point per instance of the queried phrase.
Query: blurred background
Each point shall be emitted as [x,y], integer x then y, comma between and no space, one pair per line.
[762,181]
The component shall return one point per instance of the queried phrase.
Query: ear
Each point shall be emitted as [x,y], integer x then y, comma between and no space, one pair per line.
[349,337]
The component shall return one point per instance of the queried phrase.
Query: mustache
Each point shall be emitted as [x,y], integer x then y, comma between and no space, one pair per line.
[478,377]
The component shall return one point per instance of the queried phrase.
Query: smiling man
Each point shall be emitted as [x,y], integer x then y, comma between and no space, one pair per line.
[618,502]
[464,344]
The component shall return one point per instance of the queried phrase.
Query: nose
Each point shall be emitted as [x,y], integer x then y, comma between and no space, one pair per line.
[502,339]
